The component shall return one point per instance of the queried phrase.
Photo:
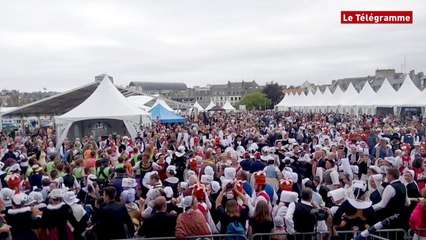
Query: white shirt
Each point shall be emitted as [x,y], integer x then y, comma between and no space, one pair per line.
[388,193]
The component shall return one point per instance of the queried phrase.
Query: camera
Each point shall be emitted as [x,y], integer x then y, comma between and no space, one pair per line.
[229,186]
[319,214]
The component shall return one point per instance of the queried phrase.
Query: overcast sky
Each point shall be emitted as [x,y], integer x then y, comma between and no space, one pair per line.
[64,44]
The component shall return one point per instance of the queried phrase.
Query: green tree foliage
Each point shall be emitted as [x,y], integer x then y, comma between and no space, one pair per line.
[274,92]
[255,100]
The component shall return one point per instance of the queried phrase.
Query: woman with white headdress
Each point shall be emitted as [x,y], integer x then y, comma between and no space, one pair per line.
[375,188]
[191,222]
[355,212]
[22,219]
[412,189]
[56,216]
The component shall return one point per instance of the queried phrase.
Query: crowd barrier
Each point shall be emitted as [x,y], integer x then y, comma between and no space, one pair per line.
[384,234]
[417,235]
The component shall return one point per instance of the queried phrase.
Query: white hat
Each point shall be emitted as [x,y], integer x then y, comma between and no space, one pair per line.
[56,193]
[362,185]
[410,171]
[187,202]
[209,171]
[355,169]
[240,151]
[288,158]
[376,169]
[183,185]
[181,151]
[7,195]
[337,194]
[278,221]
[390,160]
[30,200]
[15,167]
[171,168]
[128,183]
[264,157]
[229,173]
[70,198]
[91,178]
[20,199]
[206,179]
[168,191]
[265,149]
[288,197]
[215,186]
[37,196]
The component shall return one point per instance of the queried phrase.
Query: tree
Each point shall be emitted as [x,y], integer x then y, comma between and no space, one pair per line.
[255,100]
[274,92]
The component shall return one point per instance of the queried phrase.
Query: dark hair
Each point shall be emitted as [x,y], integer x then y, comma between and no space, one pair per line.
[331,162]
[155,177]
[307,194]
[54,174]
[309,184]
[67,169]
[120,159]
[110,192]
[243,176]
[92,153]
[91,187]
[393,172]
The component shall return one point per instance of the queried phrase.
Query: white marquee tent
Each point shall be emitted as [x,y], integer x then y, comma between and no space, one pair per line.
[106,109]
[228,107]
[162,103]
[140,101]
[210,106]
[198,107]
[367,101]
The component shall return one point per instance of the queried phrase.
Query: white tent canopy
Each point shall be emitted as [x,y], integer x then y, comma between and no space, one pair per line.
[210,106]
[367,100]
[162,103]
[228,107]
[140,101]
[106,102]
[198,107]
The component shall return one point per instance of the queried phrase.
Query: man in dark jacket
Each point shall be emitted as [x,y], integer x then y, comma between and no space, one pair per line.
[9,154]
[159,224]
[114,220]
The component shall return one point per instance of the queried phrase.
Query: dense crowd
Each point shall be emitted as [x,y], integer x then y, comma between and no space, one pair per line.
[225,173]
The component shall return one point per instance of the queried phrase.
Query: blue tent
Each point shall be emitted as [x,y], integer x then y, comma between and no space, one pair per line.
[165,116]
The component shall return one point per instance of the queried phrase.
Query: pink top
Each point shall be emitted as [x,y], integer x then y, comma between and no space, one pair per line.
[418,219]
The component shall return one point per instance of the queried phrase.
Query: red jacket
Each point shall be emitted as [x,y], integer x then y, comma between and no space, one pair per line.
[418,219]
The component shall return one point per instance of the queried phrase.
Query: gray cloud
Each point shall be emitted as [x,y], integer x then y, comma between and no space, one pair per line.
[63,45]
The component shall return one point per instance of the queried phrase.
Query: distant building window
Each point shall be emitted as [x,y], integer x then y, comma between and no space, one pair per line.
[239,98]
[232,99]
[221,98]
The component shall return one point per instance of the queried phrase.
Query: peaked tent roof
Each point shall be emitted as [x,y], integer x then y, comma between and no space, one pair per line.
[366,95]
[198,106]
[350,97]
[408,94]
[338,96]
[159,112]
[385,95]
[216,108]
[227,106]
[211,105]
[161,102]
[107,95]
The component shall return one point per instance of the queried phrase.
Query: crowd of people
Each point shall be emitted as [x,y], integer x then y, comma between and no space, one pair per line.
[247,173]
